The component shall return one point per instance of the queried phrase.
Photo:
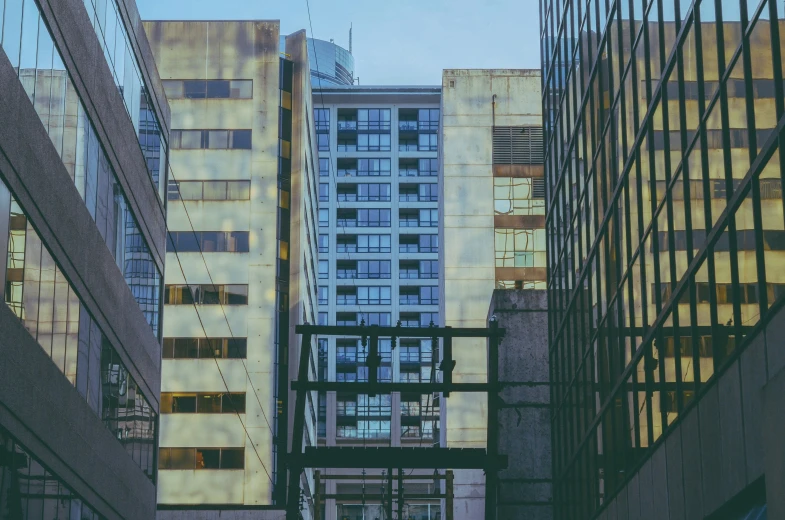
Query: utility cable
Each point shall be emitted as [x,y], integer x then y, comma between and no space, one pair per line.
[220,372]
[212,282]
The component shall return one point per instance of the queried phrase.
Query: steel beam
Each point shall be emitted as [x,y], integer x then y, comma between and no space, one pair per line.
[384,457]
[385,388]
[398,332]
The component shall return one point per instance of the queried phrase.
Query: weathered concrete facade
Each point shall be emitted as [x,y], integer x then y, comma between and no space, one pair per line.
[474,102]
[253,123]
[524,416]
[49,417]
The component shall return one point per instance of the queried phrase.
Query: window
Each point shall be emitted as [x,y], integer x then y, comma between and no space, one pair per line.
[426,318]
[323,295]
[373,269]
[324,192]
[208,241]
[428,193]
[373,167]
[373,243]
[324,269]
[429,295]
[210,139]
[323,142]
[373,218]
[428,119]
[428,142]
[322,318]
[517,145]
[373,119]
[515,196]
[205,348]
[370,295]
[206,294]
[202,402]
[373,192]
[324,167]
[324,217]
[208,89]
[428,167]
[321,119]
[201,458]
[429,218]
[373,143]
[520,248]
[428,244]
[324,243]
[377,318]
[209,190]
[429,269]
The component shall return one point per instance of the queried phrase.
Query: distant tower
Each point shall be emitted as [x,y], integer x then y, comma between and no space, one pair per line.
[350,38]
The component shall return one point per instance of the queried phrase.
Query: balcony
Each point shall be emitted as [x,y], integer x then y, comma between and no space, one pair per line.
[347,126]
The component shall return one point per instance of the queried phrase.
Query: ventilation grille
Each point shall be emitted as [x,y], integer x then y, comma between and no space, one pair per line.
[517,145]
[538,188]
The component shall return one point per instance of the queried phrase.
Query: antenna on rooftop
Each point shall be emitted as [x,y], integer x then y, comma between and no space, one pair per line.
[350,38]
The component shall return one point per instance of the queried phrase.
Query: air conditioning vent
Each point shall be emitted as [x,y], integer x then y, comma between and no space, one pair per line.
[517,145]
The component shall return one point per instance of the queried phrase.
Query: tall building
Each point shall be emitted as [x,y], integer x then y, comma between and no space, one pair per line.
[492,231]
[331,64]
[379,260]
[242,247]
[83,145]
[664,127]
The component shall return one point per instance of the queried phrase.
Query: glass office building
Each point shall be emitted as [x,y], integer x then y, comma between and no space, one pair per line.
[82,233]
[663,129]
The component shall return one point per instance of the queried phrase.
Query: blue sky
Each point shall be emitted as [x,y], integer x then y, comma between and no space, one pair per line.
[398,42]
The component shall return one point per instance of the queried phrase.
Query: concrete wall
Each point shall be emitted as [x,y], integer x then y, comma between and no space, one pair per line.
[467,238]
[525,489]
[224,50]
[720,447]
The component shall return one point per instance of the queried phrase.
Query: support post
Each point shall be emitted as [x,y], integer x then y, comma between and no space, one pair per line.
[295,462]
[448,364]
[491,474]
[448,502]
[389,505]
[317,495]
[400,493]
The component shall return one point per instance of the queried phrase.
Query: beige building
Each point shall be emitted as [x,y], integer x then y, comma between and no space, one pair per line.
[492,230]
[243,178]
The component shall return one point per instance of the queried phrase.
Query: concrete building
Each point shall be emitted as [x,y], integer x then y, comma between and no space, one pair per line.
[665,228]
[378,263]
[83,149]
[492,230]
[242,222]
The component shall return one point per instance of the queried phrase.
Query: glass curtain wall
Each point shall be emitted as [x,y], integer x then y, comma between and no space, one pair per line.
[663,131]
[28,44]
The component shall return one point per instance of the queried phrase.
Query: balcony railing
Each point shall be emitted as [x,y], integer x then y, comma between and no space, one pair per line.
[347,126]
[405,126]
[347,172]
[407,172]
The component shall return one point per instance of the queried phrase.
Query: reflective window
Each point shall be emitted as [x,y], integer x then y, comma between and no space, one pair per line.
[208,241]
[205,348]
[209,190]
[206,294]
[211,139]
[208,89]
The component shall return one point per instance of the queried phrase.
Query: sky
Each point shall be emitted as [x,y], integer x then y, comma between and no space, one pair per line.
[395,42]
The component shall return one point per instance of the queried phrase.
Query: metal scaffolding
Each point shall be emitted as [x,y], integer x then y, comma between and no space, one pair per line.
[390,458]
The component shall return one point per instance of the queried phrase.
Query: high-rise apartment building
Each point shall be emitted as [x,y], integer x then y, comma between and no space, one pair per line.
[83,142]
[379,254]
[492,233]
[664,129]
[242,246]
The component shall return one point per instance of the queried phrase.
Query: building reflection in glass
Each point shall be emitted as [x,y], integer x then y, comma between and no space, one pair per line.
[664,217]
